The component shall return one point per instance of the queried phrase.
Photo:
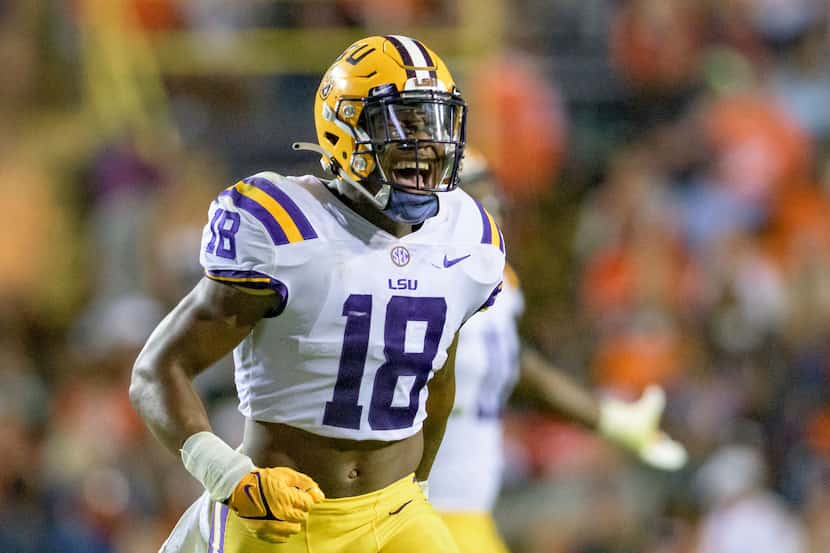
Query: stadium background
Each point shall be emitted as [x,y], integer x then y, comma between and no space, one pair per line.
[665,166]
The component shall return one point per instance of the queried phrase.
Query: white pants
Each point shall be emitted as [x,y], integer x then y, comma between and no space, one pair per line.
[192,532]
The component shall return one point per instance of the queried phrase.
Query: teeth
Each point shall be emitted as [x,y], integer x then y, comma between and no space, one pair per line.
[420,165]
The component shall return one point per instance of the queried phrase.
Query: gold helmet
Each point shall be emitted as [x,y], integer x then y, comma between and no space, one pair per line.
[388,111]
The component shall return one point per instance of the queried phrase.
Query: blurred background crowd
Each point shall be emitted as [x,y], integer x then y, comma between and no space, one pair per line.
[666,180]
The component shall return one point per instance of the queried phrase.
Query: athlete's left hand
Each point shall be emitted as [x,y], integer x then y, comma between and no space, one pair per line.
[636,426]
[272,502]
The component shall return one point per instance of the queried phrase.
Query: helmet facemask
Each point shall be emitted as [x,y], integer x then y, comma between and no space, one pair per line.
[416,139]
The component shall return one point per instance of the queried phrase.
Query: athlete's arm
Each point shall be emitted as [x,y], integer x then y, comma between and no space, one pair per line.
[439,405]
[634,425]
[208,323]
[555,392]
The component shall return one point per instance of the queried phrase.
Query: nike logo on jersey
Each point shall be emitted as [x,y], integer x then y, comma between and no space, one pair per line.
[450,262]
[401,508]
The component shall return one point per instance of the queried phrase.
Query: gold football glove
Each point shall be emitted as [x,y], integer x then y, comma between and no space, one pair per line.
[272,502]
[636,426]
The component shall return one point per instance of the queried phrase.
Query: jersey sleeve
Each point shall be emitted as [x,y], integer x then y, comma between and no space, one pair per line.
[491,299]
[492,240]
[247,224]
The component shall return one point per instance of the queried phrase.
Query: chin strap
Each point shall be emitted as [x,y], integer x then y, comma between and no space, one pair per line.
[311,147]
[380,199]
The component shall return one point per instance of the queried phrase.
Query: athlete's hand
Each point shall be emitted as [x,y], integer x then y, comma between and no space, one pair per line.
[272,502]
[636,425]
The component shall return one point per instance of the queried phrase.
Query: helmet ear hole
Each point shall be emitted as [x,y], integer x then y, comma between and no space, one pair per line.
[332,138]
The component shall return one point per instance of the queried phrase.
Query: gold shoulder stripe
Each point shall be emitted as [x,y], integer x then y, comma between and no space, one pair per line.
[495,235]
[272,206]
[510,276]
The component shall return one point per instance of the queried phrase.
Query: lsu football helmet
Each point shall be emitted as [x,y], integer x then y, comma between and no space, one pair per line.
[388,111]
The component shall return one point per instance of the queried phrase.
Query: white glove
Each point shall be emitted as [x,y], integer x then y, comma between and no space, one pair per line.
[636,426]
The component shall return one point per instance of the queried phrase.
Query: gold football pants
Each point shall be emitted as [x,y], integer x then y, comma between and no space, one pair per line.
[395,519]
[474,532]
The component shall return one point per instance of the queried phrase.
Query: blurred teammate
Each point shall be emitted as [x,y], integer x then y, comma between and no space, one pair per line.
[489,362]
[341,300]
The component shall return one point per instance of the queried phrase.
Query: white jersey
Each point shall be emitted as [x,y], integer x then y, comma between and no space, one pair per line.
[365,318]
[466,475]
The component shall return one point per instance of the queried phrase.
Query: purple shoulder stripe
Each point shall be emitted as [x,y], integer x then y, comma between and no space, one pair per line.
[486,234]
[302,222]
[253,280]
[260,213]
[492,299]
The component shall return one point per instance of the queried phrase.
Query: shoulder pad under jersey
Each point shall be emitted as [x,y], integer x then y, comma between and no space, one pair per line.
[254,228]
[475,229]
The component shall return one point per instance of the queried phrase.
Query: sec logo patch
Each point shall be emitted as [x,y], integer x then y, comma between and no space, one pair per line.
[400,256]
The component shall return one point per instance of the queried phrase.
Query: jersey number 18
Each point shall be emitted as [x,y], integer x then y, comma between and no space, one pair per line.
[343,410]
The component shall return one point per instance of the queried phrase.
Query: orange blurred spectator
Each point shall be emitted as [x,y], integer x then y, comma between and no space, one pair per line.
[650,267]
[759,148]
[656,44]
[800,212]
[158,14]
[390,13]
[631,360]
[818,432]
[40,267]
[520,126]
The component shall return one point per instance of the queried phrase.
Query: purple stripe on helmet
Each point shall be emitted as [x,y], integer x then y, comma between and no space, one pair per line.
[223,514]
[228,276]
[501,239]
[407,59]
[427,57]
[274,229]
[303,225]
[487,233]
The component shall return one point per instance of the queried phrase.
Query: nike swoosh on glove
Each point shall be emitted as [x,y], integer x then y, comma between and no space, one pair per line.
[636,426]
[272,502]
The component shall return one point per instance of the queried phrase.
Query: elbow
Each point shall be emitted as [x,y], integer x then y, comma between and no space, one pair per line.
[140,381]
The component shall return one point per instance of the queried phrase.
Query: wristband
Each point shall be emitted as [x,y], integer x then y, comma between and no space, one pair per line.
[215,464]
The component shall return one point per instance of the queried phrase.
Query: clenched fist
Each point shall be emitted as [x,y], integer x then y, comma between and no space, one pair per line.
[272,502]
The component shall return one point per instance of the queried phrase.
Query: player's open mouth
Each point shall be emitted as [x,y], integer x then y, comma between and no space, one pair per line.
[417,174]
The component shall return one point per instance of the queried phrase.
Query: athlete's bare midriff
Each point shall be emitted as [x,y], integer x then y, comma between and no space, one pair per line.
[342,468]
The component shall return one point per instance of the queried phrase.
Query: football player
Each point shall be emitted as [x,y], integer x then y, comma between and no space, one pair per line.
[490,362]
[341,300]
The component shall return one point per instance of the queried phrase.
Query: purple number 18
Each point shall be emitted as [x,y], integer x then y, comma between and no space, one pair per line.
[223,229]
[343,410]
